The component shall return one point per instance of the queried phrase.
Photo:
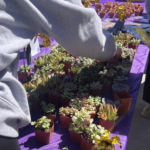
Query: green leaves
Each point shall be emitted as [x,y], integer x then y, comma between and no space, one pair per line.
[42,123]
[96,86]
[67,94]
[23,68]
[50,108]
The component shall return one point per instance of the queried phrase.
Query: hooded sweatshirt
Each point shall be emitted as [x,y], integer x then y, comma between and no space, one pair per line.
[77,29]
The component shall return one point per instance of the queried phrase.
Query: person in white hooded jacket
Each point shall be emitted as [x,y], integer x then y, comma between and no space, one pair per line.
[77,29]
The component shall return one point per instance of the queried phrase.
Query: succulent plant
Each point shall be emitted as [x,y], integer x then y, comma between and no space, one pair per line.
[134,42]
[96,100]
[23,68]
[40,61]
[107,112]
[88,101]
[67,112]
[91,109]
[68,59]
[48,109]
[29,86]
[83,89]
[67,94]
[120,87]
[96,86]
[54,91]
[82,95]
[70,86]
[42,123]
[58,67]
[34,96]
[76,103]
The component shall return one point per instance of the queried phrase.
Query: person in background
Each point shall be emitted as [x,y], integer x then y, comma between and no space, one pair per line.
[144,35]
[77,29]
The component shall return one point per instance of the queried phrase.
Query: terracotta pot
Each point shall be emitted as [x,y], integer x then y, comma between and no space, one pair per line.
[102,14]
[53,117]
[71,74]
[98,6]
[97,10]
[108,125]
[65,122]
[75,137]
[35,68]
[22,76]
[44,137]
[93,116]
[67,66]
[85,145]
[105,89]
[108,5]
[64,102]
[137,13]
[111,14]
[95,92]
[35,107]
[54,100]
[125,99]
[133,46]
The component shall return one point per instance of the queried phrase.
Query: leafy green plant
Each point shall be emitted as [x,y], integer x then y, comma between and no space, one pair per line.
[96,86]
[106,81]
[70,86]
[107,112]
[96,100]
[48,109]
[78,123]
[76,103]
[39,62]
[134,42]
[23,68]
[83,89]
[42,124]
[58,67]
[90,109]
[88,101]
[67,94]
[74,69]
[34,96]
[29,86]
[67,112]
[68,59]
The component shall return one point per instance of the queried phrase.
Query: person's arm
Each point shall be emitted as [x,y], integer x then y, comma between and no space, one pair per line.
[147,6]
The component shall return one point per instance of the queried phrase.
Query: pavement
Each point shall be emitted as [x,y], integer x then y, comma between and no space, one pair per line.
[139,134]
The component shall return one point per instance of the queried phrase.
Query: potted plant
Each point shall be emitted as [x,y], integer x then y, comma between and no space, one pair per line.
[76,103]
[96,88]
[35,101]
[48,111]
[58,68]
[91,110]
[96,100]
[44,129]
[39,63]
[65,115]
[106,86]
[111,13]
[90,134]
[83,89]
[70,86]
[108,115]
[134,44]
[125,99]
[67,62]
[66,96]
[98,5]
[104,142]
[73,71]
[21,72]
[77,126]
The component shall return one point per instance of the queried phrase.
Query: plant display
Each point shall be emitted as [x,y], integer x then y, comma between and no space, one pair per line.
[96,100]
[42,124]
[107,112]
[48,109]
[70,86]
[96,86]
[23,68]
[67,94]
[67,112]
[76,103]
[83,89]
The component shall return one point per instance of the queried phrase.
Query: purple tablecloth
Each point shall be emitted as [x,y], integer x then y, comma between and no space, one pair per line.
[61,136]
